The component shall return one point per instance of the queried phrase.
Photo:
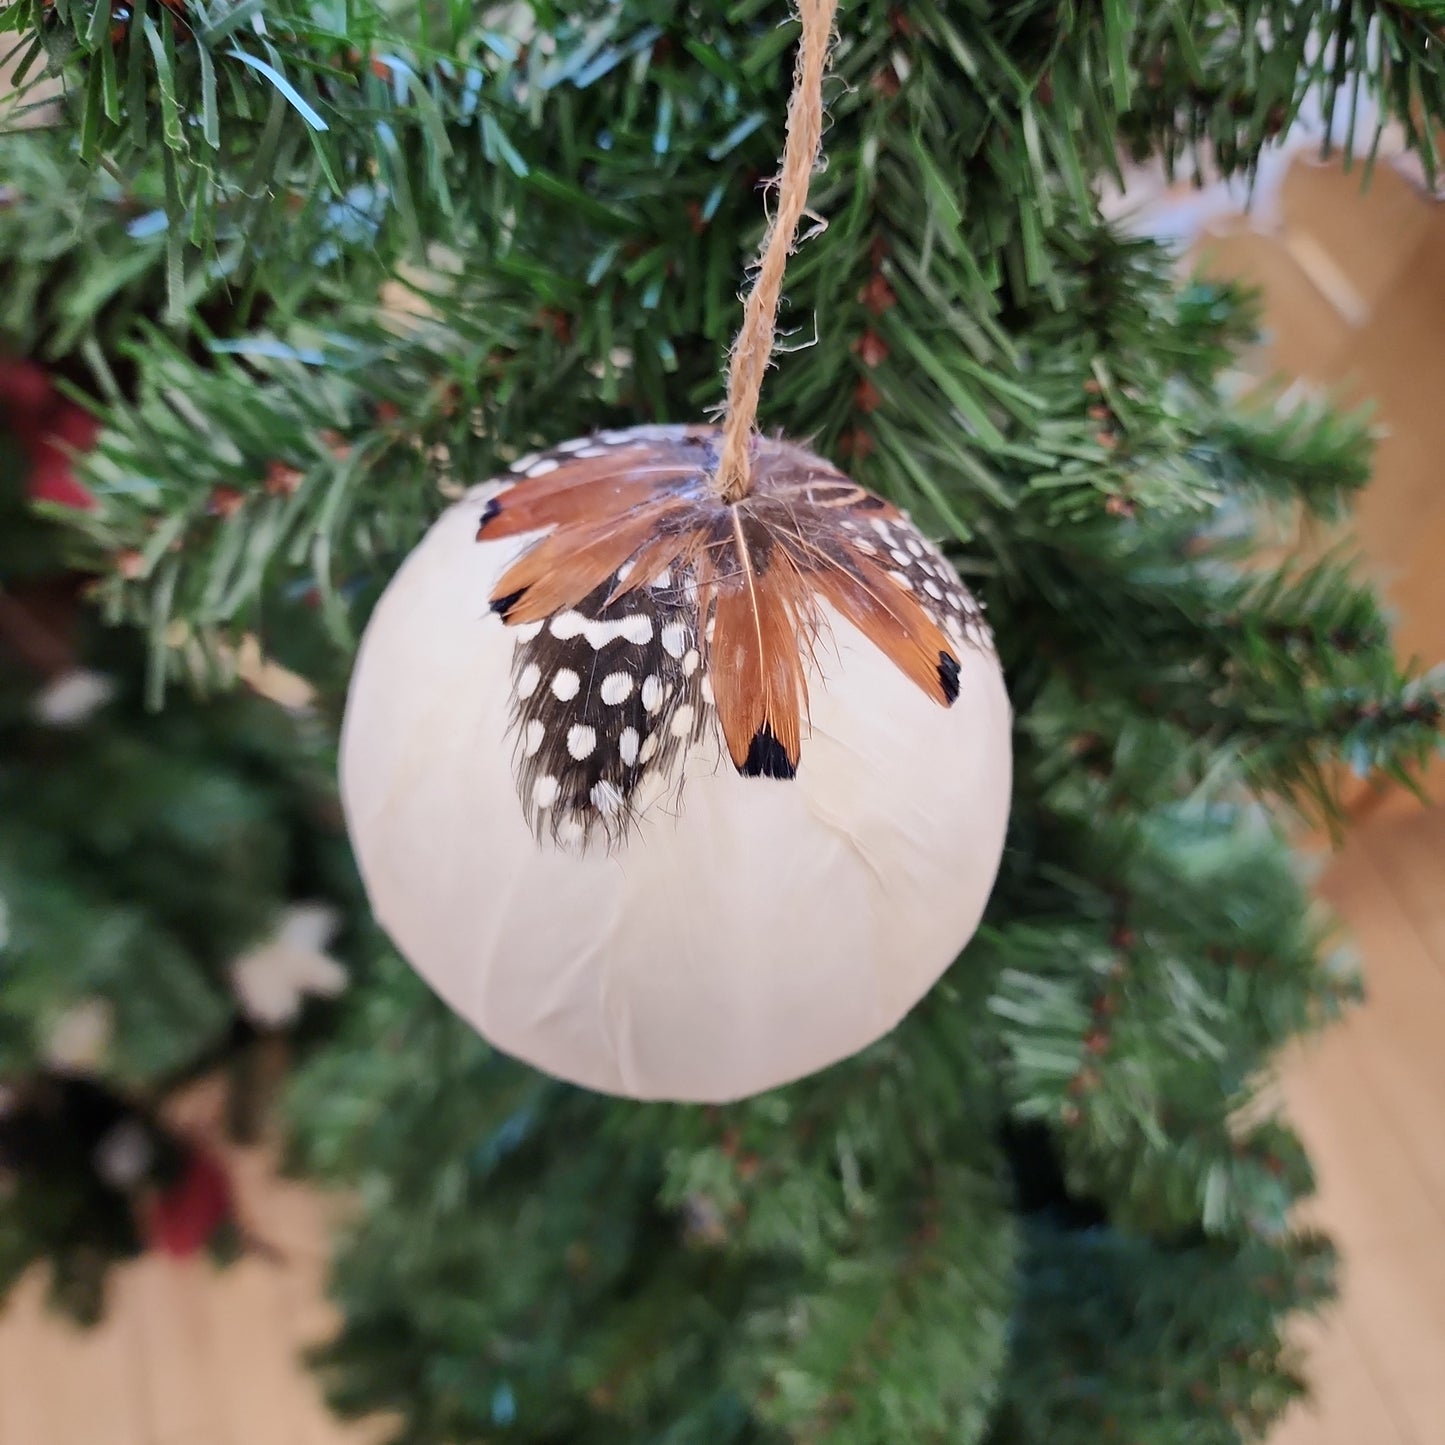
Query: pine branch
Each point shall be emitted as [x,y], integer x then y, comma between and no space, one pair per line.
[1222,85]
[1119,1332]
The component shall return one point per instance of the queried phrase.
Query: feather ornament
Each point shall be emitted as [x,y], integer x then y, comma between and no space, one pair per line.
[676,797]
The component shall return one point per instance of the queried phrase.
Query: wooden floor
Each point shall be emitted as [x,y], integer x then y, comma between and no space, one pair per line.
[190,1356]
[1369,1098]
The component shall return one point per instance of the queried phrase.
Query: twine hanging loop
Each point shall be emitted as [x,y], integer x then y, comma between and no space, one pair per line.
[754,345]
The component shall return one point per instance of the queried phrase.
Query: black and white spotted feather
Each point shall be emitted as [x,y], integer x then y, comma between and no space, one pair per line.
[916,565]
[606,700]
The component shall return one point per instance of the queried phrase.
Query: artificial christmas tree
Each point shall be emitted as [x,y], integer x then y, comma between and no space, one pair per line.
[147,864]
[339,265]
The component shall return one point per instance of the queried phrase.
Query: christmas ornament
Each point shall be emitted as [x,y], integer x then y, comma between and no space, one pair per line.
[670,796]
[273,980]
[125,1155]
[678,763]
[79,1040]
[71,698]
[192,1210]
[51,431]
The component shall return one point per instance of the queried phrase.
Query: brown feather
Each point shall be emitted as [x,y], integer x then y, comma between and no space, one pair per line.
[569,563]
[613,484]
[754,658]
[893,620]
[664,551]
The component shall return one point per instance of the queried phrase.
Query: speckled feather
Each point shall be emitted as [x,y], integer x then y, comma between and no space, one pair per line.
[605,696]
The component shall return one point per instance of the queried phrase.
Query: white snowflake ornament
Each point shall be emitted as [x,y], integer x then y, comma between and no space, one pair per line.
[71,699]
[125,1154]
[273,980]
[80,1038]
[672,797]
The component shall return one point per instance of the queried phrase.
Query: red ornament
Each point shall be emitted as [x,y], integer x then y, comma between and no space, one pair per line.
[50,429]
[25,390]
[186,1216]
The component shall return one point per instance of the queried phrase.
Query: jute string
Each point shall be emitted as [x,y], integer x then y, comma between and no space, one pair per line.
[754,347]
